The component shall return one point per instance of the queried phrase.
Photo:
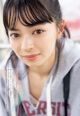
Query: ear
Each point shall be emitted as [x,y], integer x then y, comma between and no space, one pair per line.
[61,28]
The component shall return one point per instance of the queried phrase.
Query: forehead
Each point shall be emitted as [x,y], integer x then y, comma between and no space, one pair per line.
[36,24]
[19,26]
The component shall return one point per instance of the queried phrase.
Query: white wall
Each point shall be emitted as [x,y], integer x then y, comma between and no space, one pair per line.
[2,30]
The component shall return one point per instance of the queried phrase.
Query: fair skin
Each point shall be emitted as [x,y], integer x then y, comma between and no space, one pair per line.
[39,41]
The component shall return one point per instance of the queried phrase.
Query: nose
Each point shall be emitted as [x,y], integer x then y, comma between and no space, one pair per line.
[27,43]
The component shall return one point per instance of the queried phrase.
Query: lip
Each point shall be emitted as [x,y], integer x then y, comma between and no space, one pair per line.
[32,57]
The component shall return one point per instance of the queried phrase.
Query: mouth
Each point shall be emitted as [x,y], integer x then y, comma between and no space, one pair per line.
[32,57]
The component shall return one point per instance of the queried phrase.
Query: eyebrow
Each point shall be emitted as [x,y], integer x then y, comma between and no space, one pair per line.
[36,24]
[13,29]
[29,25]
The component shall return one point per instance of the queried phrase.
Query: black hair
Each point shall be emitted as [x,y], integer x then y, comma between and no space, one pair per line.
[35,11]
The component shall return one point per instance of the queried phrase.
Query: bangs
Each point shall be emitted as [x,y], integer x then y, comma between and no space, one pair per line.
[27,12]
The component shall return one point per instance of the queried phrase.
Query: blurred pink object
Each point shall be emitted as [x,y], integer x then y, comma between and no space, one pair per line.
[71,13]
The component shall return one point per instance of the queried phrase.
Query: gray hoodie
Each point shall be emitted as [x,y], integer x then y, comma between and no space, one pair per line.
[51,101]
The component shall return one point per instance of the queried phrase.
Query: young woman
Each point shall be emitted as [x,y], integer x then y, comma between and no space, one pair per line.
[47,62]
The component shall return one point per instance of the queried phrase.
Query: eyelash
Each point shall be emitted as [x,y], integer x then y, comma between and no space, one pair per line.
[38,31]
[15,35]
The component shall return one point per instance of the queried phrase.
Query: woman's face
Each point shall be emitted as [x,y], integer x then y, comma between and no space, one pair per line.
[34,45]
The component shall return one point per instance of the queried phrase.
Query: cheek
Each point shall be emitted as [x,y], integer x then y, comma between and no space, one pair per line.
[50,47]
[50,41]
[47,45]
[15,46]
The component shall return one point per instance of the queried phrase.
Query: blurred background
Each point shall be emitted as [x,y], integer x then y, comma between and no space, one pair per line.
[71,13]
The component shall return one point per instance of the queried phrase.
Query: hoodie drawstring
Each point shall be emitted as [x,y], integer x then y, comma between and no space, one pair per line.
[66,88]
[48,94]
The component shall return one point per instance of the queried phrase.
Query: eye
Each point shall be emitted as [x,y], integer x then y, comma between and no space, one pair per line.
[14,35]
[38,31]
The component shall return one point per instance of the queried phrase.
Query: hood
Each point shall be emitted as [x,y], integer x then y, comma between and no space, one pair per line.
[68,55]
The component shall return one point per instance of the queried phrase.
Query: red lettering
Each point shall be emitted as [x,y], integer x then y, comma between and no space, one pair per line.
[27,104]
[58,108]
[53,107]
[41,107]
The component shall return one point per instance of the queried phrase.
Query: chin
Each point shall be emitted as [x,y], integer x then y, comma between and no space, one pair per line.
[33,64]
